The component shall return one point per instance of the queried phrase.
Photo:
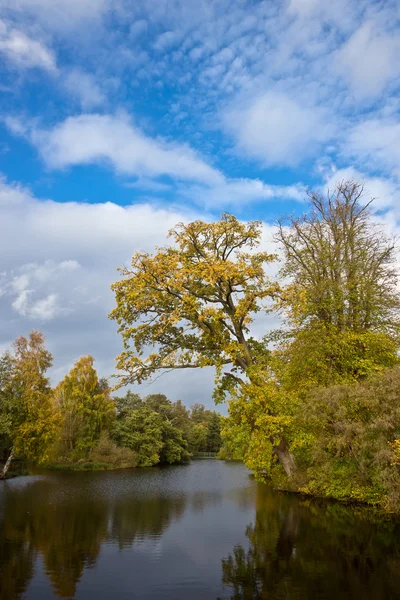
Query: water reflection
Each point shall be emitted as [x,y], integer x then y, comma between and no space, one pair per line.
[307,549]
[67,533]
[68,530]
[162,534]
[133,519]
[65,519]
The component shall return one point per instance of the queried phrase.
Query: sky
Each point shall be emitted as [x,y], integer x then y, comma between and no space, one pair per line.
[121,118]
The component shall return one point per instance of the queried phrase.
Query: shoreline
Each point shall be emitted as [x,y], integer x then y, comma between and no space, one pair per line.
[88,466]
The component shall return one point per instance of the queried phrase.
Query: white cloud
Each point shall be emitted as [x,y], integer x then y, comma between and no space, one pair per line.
[43,310]
[83,87]
[29,285]
[23,51]
[46,308]
[196,53]
[60,14]
[369,60]
[277,129]
[237,194]
[94,138]
[376,144]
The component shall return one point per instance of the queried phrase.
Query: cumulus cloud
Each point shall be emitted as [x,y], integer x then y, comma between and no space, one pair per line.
[24,51]
[96,138]
[277,129]
[43,309]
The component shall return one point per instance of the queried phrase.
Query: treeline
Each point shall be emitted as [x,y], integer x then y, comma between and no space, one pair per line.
[314,406]
[79,424]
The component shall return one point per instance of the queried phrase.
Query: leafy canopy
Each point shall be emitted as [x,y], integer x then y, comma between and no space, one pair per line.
[192,302]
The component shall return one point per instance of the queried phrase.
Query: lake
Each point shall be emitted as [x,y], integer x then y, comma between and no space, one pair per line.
[202,531]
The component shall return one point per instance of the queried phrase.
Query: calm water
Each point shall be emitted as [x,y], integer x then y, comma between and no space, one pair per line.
[206,530]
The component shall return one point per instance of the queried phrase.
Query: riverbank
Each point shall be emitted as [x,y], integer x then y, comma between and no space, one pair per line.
[17,469]
[85,466]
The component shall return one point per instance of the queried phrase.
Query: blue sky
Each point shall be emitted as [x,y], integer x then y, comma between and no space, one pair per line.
[120,118]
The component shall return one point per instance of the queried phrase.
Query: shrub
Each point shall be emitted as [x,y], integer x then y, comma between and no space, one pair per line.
[107,452]
[354,454]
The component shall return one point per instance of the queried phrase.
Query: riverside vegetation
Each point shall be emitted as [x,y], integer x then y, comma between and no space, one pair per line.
[313,407]
[79,425]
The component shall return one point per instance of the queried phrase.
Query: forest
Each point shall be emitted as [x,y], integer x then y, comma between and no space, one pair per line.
[80,424]
[313,403]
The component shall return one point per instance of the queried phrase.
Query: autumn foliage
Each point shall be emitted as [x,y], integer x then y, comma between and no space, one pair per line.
[313,406]
[193,304]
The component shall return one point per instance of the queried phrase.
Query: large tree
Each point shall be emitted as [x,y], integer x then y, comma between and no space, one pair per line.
[342,300]
[193,303]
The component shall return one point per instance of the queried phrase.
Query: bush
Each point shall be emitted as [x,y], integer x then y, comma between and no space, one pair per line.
[108,453]
[355,431]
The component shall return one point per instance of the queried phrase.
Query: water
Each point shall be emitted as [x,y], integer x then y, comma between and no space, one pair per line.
[202,531]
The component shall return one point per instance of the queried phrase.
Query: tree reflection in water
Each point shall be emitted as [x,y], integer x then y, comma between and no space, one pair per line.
[68,529]
[300,549]
[297,549]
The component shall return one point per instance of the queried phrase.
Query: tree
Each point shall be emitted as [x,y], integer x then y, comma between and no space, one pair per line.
[193,303]
[150,428]
[140,430]
[27,393]
[200,418]
[7,406]
[200,414]
[124,404]
[214,433]
[85,405]
[198,438]
[235,438]
[342,300]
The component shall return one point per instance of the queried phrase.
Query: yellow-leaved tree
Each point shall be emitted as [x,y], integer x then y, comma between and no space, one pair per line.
[85,406]
[192,303]
[33,422]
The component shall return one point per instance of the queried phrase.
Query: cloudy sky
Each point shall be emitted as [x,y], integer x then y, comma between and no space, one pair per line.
[120,118]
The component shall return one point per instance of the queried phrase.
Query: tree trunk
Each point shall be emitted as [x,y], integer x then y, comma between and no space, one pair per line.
[7,465]
[285,457]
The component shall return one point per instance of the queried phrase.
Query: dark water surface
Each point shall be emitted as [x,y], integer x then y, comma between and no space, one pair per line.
[206,530]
